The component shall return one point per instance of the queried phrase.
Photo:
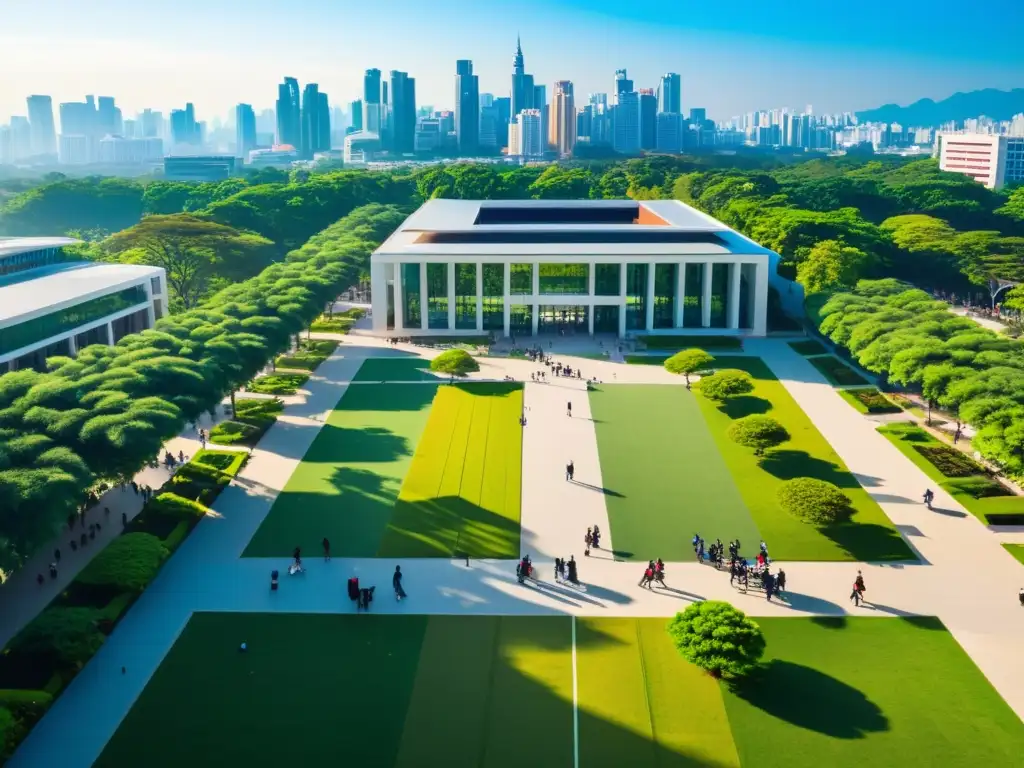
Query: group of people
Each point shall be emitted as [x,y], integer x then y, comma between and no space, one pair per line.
[741,571]
[362,595]
[592,539]
[565,570]
[655,571]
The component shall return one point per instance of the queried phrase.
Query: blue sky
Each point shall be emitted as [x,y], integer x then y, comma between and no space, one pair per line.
[733,56]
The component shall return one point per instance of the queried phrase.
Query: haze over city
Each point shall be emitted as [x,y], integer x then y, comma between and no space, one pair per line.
[165,53]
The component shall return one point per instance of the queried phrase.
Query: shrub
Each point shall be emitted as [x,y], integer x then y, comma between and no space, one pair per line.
[278,383]
[236,433]
[869,400]
[454,362]
[718,638]
[836,371]
[688,361]
[129,562]
[726,383]
[949,461]
[65,635]
[227,462]
[757,432]
[174,506]
[684,342]
[257,408]
[977,487]
[808,347]
[334,324]
[21,696]
[814,501]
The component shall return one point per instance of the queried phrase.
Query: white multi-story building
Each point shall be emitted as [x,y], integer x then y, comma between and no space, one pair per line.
[529,267]
[529,134]
[989,159]
[116,149]
[51,304]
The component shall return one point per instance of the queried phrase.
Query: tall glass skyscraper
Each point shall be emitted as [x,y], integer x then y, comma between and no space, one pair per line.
[467,108]
[289,114]
[670,93]
[245,130]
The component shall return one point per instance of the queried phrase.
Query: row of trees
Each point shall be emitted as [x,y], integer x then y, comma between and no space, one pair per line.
[102,415]
[910,339]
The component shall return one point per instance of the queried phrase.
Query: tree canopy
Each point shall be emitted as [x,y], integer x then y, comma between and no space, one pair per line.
[718,638]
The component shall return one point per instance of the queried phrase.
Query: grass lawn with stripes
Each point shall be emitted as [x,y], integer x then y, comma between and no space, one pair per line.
[665,477]
[395,369]
[496,691]
[869,535]
[463,490]
[347,484]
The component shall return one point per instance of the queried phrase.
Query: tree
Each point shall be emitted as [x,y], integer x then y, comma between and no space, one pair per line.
[688,361]
[814,501]
[718,638]
[830,266]
[454,362]
[758,432]
[193,251]
[726,383]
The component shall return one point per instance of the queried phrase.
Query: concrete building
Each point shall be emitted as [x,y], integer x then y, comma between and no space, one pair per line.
[121,151]
[530,267]
[626,123]
[44,134]
[669,132]
[199,167]
[360,147]
[52,304]
[529,134]
[987,158]
[245,130]
[563,119]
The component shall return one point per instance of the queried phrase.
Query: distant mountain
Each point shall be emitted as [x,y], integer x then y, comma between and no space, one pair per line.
[998,105]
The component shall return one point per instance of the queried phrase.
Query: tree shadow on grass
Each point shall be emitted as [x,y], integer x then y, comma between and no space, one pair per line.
[449,526]
[372,396]
[786,464]
[870,542]
[745,405]
[810,699]
[336,445]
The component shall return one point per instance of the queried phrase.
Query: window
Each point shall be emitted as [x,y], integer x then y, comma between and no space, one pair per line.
[465,297]
[493,298]
[437,296]
[158,308]
[692,312]
[154,285]
[636,297]
[606,279]
[21,262]
[719,295]
[565,279]
[521,279]
[411,317]
[664,295]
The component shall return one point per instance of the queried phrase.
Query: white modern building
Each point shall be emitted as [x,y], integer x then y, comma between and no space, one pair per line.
[51,304]
[990,159]
[529,267]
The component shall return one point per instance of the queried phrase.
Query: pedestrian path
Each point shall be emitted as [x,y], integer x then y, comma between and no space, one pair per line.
[555,512]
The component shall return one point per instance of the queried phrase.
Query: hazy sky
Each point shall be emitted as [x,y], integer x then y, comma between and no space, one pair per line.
[734,56]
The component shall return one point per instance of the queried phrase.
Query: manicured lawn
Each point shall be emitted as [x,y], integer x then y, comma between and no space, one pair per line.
[869,692]
[686,342]
[646,359]
[462,492]
[1017,550]
[665,478]
[348,481]
[836,371]
[868,400]
[809,347]
[869,535]
[395,369]
[958,474]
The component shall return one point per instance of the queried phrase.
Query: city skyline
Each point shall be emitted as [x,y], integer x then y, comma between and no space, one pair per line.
[188,58]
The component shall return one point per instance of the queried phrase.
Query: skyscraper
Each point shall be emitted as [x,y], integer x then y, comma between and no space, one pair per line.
[540,103]
[403,112]
[626,123]
[289,113]
[504,106]
[40,118]
[467,108]
[152,124]
[622,84]
[648,118]
[372,117]
[245,130]
[563,119]
[108,117]
[184,128]
[21,137]
[529,139]
[522,84]
[669,136]
[670,93]
[356,117]
[316,121]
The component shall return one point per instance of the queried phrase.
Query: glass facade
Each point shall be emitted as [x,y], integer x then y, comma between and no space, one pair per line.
[745,283]
[133,323]
[21,262]
[606,279]
[411,317]
[664,295]
[565,279]
[521,279]
[563,320]
[63,320]
[465,297]
[606,320]
[154,285]
[437,296]
[493,297]
[719,295]
[97,335]
[636,297]
[694,295]
[520,321]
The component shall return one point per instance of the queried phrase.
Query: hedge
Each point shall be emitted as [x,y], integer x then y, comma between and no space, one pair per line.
[333,325]
[236,433]
[836,371]
[814,501]
[949,461]
[68,636]
[868,400]
[686,342]
[129,562]
[278,383]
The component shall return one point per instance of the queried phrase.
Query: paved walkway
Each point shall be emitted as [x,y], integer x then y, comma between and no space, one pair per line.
[965,578]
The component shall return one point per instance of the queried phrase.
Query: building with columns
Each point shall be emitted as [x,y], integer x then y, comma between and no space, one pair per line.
[530,267]
[54,304]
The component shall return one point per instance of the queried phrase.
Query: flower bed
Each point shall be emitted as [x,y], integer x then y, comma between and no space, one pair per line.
[868,400]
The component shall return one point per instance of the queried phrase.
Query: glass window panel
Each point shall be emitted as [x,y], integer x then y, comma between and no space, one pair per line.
[521,320]
[664,295]
[493,299]
[636,297]
[694,295]
[411,317]
[719,295]
[465,297]
[437,296]
[606,279]
[565,279]
[521,279]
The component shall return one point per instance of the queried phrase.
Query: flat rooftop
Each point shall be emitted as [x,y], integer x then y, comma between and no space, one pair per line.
[11,246]
[36,291]
[576,227]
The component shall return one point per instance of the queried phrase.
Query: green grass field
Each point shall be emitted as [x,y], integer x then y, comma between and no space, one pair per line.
[463,489]
[395,369]
[665,477]
[374,690]
[346,486]
[1017,550]
[870,535]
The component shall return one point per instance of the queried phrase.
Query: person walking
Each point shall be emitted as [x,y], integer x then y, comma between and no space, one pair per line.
[53,570]
[558,569]
[568,409]
[769,585]
[327,549]
[587,541]
[780,583]
[56,555]
[648,576]
[857,595]
[597,537]
[396,582]
[571,470]
[124,519]
[573,574]
[928,497]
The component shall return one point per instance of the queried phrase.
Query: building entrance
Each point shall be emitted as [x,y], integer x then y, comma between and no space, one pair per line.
[562,319]
[606,320]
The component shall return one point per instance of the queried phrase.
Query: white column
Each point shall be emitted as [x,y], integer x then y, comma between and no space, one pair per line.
[424,316]
[451,296]
[72,347]
[735,270]
[535,315]
[705,304]
[379,295]
[649,304]
[399,307]
[622,300]
[479,297]
[110,334]
[591,291]
[507,296]
[677,321]
[760,319]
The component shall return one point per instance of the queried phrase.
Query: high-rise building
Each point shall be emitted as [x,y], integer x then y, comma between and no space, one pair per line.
[289,113]
[108,117]
[626,123]
[504,106]
[522,84]
[670,93]
[669,136]
[488,124]
[316,122]
[78,118]
[530,142]
[698,115]
[403,112]
[245,131]
[540,102]
[21,138]
[600,120]
[467,108]
[563,119]
[152,124]
[372,107]
[989,159]
[184,128]
[648,118]
[40,118]
[622,84]
[356,109]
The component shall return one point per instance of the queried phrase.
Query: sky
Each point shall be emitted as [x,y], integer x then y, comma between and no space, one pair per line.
[734,57]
